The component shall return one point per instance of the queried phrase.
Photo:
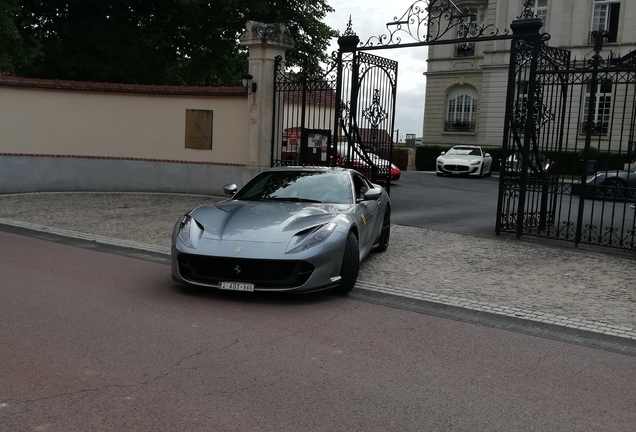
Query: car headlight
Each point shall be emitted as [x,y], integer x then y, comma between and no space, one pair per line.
[315,238]
[475,162]
[190,231]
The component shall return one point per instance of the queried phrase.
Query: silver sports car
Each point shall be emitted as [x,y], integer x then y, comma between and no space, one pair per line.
[288,229]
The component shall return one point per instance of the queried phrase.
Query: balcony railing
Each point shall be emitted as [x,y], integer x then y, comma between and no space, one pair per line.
[465,50]
[459,126]
[607,36]
[598,128]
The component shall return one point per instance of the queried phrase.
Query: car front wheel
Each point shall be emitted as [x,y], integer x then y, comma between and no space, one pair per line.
[350,265]
[613,189]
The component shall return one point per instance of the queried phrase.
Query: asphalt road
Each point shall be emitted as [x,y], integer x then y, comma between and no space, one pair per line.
[463,205]
[104,342]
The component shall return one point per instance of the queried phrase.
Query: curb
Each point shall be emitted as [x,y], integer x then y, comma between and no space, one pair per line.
[606,336]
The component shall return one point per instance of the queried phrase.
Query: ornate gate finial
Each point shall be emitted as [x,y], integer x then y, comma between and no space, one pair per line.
[349,31]
[527,10]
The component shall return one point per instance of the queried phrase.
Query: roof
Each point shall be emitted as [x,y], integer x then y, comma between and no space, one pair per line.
[366,136]
[54,84]
[318,94]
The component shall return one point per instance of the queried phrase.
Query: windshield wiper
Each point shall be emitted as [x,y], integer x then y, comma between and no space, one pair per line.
[294,199]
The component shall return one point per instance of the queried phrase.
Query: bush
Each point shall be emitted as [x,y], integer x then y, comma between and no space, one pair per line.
[593,153]
[425,157]
[568,163]
[401,157]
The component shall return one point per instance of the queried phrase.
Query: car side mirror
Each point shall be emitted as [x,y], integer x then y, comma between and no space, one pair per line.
[230,189]
[372,194]
[443,153]
[487,155]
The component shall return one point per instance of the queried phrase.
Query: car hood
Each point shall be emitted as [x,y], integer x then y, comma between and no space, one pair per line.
[602,175]
[459,158]
[256,221]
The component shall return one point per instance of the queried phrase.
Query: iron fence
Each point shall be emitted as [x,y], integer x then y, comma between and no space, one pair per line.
[557,107]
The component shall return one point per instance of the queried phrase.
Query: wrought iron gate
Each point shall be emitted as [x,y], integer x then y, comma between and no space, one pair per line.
[366,94]
[304,116]
[568,168]
[343,117]
[566,160]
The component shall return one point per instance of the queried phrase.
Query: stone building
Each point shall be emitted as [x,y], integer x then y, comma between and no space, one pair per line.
[466,82]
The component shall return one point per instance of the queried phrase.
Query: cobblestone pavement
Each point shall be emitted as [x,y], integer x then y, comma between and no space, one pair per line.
[546,284]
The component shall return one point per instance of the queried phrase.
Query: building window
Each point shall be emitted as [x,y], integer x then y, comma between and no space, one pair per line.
[465,49]
[465,29]
[461,111]
[601,109]
[605,15]
[540,10]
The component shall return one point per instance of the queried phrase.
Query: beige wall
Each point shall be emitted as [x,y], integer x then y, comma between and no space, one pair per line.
[117,125]
[82,136]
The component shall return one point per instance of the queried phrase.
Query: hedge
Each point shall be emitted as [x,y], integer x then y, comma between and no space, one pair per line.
[570,163]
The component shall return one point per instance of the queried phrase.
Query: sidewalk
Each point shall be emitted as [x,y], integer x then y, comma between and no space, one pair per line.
[544,284]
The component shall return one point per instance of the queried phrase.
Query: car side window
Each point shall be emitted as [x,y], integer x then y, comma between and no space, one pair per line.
[360,185]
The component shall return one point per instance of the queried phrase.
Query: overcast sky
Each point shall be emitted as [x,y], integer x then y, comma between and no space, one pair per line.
[369,18]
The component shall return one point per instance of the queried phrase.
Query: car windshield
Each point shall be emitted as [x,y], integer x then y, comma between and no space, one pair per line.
[298,186]
[464,151]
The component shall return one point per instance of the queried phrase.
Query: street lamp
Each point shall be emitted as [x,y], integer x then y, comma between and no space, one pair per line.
[246,80]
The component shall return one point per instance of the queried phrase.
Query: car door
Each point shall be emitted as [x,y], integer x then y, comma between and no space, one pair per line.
[365,213]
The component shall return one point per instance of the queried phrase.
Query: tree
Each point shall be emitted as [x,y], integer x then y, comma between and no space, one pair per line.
[14,50]
[171,42]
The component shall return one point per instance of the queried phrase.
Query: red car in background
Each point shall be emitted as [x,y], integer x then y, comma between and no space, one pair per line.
[387,171]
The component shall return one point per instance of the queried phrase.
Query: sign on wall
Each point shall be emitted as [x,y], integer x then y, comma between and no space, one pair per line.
[198,129]
[314,146]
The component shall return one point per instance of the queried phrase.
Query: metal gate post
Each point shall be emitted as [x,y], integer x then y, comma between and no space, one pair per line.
[528,30]
[510,96]
[348,43]
[596,62]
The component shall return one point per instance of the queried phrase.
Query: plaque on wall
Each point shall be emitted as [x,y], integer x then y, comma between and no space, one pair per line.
[198,130]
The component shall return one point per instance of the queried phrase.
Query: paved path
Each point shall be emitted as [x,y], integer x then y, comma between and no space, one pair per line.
[546,285]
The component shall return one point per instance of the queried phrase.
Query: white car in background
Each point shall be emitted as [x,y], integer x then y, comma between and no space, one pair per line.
[464,160]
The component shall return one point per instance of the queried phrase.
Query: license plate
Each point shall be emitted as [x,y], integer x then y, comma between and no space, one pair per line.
[236,286]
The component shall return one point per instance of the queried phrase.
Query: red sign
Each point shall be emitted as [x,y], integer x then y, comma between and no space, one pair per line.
[293,139]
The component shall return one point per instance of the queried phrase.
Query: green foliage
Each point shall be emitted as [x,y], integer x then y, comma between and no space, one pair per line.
[592,155]
[425,157]
[15,50]
[169,42]
[401,157]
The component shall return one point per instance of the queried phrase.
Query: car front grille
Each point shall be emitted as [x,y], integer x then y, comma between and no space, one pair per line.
[457,168]
[262,273]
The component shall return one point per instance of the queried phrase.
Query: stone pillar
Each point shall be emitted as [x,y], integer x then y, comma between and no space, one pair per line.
[265,42]
[411,161]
